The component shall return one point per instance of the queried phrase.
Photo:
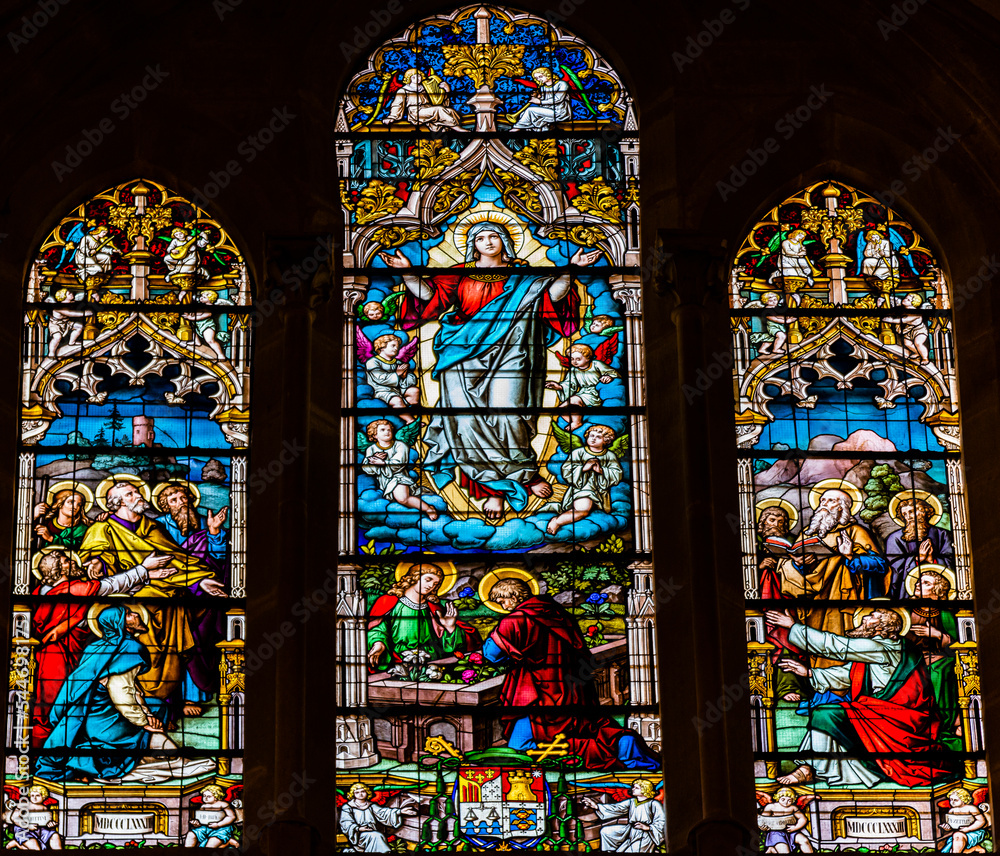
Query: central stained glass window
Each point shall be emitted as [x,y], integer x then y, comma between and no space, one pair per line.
[496,651]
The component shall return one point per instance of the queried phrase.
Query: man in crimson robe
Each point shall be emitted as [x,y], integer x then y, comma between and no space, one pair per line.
[549,667]
[61,628]
[888,707]
[490,353]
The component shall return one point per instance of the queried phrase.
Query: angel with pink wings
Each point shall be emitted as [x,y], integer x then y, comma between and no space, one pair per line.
[784,821]
[585,369]
[388,372]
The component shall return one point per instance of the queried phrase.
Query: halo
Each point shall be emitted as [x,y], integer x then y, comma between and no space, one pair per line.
[111,481]
[915,573]
[77,487]
[774,501]
[162,486]
[494,576]
[513,227]
[851,490]
[98,608]
[862,611]
[912,493]
[447,568]
[37,558]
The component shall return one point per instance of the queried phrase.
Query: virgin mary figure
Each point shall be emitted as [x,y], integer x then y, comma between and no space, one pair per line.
[490,351]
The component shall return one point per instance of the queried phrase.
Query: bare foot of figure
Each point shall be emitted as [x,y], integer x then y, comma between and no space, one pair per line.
[192,709]
[799,776]
[541,488]
[493,507]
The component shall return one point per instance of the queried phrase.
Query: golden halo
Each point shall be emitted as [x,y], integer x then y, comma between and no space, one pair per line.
[494,576]
[790,510]
[915,573]
[162,486]
[111,481]
[862,611]
[903,495]
[77,487]
[818,489]
[37,558]
[511,224]
[98,608]
[447,568]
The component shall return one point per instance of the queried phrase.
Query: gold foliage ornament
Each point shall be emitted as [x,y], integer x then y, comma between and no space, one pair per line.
[519,192]
[455,195]
[395,236]
[431,158]
[598,198]
[541,157]
[376,201]
[846,221]
[583,236]
[483,63]
[133,224]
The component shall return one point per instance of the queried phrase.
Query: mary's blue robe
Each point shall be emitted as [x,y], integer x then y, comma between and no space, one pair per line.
[90,738]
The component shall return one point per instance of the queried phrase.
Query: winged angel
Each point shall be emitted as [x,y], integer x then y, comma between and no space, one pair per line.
[387,369]
[592,468]
[586,367]
[387,459]
[784,821]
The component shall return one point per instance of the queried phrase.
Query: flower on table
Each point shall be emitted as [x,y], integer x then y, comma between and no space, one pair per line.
[469,675]
[476,657]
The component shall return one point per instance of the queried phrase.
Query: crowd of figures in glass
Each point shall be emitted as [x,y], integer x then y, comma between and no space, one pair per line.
[125,702]
[860,627]
[496,647]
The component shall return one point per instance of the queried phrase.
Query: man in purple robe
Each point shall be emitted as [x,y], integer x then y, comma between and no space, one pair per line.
[917,543]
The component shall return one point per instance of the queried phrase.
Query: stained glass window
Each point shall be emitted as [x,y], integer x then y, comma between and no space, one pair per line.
[861,633]
[496,655]
[126,696]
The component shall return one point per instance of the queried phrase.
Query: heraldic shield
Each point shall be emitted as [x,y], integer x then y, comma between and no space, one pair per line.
[502,804]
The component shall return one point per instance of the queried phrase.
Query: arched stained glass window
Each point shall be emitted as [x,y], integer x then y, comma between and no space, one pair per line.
[860,625]
[495,651]
[126,691]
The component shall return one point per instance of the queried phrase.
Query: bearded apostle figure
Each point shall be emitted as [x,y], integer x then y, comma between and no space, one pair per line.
[175,638]
[887,706]
[549,666]
[851,566]
[919,542]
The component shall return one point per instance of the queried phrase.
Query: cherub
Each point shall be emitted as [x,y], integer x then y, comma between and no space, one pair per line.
[388,460]
[585,369]
[387,369]
[966,820]
[772,342]
[33,822]
[207,324]
[912,328]
[214,823]
[592,468]
[601,325]
[66,325]
[375,310]
[783,837]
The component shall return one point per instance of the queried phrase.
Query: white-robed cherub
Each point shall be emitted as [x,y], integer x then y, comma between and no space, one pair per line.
[591,470]
[585,369]
[387,458]
[387,370]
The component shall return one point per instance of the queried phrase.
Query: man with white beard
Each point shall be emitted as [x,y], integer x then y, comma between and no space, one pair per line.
[128,538]
[856,570]
[884,704]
